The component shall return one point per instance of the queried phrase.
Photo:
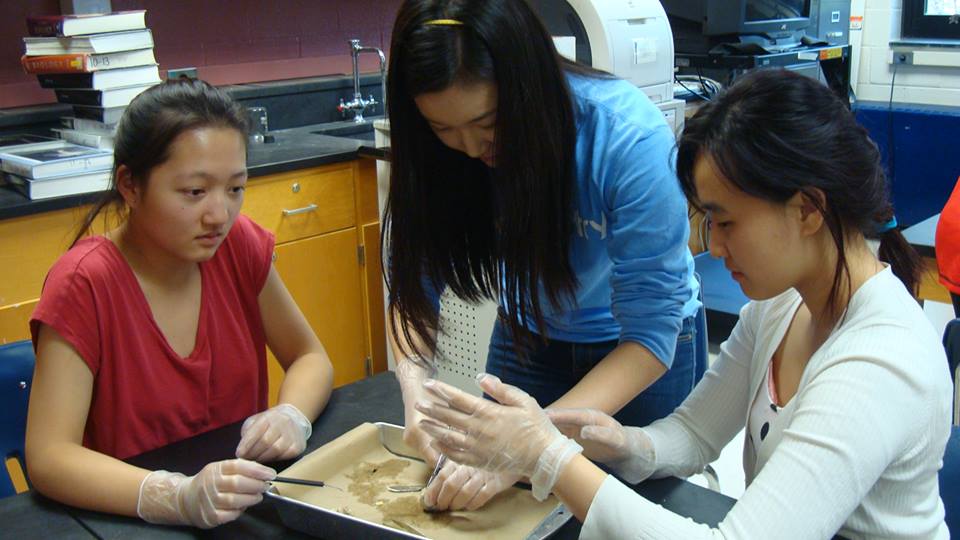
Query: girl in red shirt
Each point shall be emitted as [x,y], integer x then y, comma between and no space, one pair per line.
[947,246]
[156,330]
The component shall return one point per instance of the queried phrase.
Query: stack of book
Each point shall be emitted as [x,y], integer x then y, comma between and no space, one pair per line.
[53,168]
[97,63]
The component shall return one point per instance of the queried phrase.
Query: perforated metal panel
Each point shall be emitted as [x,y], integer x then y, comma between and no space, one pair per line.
[463,340]
[465,332]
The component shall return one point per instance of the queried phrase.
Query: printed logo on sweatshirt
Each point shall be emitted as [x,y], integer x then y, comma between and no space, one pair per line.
[584,226]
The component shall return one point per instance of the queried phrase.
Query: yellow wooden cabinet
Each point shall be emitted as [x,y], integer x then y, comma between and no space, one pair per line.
[323,223]
[29,246]
[327,230]
[326,268]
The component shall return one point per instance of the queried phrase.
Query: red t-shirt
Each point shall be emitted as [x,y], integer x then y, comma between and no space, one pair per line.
[947,242]
[144,394]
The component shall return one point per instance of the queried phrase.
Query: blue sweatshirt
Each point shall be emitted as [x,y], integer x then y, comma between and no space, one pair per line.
[630,255]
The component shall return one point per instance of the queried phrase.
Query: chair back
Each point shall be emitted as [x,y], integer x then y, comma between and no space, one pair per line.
[950,482]
[951,342]
[703,340]
[16,377]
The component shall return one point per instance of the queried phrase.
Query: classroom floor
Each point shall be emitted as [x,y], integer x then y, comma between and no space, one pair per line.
[729,466]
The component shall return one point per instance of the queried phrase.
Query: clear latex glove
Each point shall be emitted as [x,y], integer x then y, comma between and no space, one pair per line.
[217,494]
[411,372]
[279,432]
[513,436]
[462,487]
[627,450]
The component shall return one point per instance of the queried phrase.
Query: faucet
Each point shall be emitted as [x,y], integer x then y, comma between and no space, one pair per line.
[358,104]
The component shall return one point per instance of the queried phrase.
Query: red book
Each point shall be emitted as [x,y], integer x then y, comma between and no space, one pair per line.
[93,23]
[86,62]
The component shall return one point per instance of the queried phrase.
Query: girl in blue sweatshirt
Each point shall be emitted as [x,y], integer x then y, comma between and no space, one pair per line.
[525,178]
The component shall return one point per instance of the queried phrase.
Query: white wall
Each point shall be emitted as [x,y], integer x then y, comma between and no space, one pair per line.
[934,85]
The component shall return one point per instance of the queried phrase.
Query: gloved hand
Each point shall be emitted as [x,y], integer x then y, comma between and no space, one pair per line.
[217,494]
[461,487]
[513,436]
[279,432]
[411,372]
[627,450]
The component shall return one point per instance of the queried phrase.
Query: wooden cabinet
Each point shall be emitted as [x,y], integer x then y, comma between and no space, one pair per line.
[326,269]
[328,238]
[29,246]
[325,233]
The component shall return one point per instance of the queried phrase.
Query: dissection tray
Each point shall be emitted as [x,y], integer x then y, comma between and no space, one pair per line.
[362,463]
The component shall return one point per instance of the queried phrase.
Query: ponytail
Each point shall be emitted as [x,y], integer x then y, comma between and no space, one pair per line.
[903,259]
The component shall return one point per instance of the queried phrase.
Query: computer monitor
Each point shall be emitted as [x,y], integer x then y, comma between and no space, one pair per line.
[699,25]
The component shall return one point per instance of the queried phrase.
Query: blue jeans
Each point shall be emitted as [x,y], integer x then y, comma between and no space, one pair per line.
[551,370]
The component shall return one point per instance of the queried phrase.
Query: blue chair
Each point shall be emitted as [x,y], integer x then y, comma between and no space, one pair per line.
[722,296]
[950,482]
[703,340]
[16,376]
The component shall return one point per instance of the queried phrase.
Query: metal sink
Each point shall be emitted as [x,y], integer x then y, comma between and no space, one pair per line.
[350,130]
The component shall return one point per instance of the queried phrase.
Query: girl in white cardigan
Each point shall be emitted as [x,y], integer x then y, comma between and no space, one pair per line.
[838,377]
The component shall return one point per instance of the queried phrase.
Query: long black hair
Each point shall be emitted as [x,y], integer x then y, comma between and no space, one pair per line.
[774,134]
[150,124]
[450,220]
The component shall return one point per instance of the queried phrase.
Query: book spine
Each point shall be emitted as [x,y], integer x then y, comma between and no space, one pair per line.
[80,97]
[121,59]
[70,166]
[61,63]
[85,124]
[78,165]
[44,26]
[66,80]
[99,114]
[87,139]
[96,114]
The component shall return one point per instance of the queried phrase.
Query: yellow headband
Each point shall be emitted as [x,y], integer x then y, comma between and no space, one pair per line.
[444,22]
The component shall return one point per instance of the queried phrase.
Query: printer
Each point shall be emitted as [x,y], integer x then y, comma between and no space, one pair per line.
[631,39]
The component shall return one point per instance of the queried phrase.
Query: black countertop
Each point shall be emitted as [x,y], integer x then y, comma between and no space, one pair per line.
[291,149]
[373,399]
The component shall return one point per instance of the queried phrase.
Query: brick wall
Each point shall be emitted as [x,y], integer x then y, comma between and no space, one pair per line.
[229,41]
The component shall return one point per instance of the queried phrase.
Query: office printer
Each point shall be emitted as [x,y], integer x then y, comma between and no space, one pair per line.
[630,38]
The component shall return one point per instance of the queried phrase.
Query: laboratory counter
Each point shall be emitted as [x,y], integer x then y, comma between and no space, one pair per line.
[372,399]
[289,150]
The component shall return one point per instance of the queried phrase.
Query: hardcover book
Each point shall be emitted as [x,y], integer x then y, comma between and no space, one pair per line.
[91,23]
[22,141]
[48,162]
[102,115]
[103,80]
[86,62]
[112,97]
[85,124]
[96,43]
[60,186]
[93,139]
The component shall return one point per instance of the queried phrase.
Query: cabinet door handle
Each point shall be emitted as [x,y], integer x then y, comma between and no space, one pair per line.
[309,208]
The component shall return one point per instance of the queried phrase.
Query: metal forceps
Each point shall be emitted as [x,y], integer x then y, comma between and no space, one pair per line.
[416,487]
